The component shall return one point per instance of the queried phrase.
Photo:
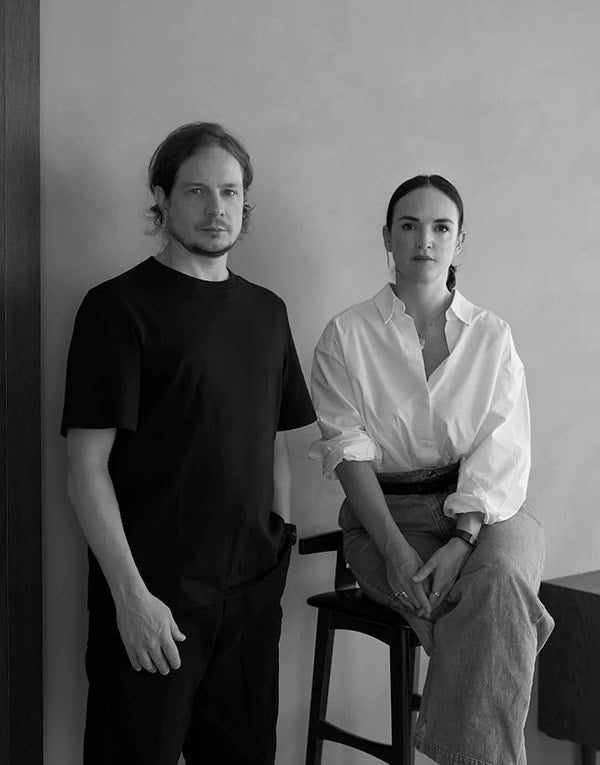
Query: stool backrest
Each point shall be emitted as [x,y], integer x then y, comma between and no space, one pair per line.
[331,541]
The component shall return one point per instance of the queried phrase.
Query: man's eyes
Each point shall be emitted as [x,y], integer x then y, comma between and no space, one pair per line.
[197,192]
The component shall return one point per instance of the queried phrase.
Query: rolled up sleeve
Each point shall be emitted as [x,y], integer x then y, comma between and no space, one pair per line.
[344,434]
[494,474]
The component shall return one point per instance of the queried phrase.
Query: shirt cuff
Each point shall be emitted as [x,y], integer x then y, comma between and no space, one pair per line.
[459,503]
[331,453]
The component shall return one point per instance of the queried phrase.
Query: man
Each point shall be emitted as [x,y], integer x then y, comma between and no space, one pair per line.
[181,379]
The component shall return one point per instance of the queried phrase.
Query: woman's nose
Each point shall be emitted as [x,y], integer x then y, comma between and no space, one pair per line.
[424,242]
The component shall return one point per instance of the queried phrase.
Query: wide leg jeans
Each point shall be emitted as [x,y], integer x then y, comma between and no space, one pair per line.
[483,639]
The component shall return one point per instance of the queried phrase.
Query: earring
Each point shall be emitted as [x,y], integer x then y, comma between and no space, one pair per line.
[390,263]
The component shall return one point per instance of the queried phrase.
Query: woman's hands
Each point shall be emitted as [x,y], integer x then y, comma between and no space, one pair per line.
[445,565]
[402,564]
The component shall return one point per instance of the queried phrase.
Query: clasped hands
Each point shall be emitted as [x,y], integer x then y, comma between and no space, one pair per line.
[421,587]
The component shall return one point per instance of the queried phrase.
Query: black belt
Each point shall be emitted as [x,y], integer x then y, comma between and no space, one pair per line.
[426,485]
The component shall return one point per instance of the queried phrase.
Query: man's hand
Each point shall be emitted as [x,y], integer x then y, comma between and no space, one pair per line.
[149,632]
[445,564]
[402,563]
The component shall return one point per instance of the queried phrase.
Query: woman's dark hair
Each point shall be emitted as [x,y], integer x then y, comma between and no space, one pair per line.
[183,143]
[441,184]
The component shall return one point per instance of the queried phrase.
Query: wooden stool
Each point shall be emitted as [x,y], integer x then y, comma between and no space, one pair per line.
[569,665]
[348,609]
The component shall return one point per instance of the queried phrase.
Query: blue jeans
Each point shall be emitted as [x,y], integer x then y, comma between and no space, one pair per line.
[483,639]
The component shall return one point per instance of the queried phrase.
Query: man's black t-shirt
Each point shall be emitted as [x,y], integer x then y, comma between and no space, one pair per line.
[197,377]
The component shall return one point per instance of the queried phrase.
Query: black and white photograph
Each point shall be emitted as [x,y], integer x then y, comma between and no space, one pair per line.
[300,382]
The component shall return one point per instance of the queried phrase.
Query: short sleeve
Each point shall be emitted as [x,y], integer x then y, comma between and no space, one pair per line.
[343,429]
[296,408]
[103,367]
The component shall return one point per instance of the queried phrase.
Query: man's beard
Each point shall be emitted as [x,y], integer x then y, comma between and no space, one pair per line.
[195,249]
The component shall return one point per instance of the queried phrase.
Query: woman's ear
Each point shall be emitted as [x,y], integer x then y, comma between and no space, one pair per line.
[460,240]
[387,243]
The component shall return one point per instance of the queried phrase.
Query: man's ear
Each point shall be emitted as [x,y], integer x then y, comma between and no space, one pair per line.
[160,198]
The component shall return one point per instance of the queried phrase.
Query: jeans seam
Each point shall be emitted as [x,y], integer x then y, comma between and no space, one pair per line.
[458,758]
[540,617]
[433,507]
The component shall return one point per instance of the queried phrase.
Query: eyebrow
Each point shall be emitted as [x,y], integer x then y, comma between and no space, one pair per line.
[228,185]
[416,220]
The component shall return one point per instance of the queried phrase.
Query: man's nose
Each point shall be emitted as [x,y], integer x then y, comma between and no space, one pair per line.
[214,206]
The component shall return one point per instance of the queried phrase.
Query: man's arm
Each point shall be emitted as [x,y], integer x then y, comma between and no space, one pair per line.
[145,623]
[282,478]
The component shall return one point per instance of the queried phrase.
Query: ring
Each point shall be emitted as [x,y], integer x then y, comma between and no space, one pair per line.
[438,594]
[400,594]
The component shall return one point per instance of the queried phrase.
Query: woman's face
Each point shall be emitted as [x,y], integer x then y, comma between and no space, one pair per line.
[425,237]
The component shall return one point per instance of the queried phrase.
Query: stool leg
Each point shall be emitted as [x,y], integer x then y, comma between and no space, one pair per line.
[320,687]
[401,690]
[588,756]
[415,659]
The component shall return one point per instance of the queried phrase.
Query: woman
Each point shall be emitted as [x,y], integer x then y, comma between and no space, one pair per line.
[423,410]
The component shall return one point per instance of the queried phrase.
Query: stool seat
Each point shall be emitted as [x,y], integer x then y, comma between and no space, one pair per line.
[356,604]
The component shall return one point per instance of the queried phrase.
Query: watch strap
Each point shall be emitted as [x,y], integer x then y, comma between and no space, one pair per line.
[470,539]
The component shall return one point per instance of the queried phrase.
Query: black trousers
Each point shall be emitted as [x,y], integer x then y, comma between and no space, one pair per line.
[219,707]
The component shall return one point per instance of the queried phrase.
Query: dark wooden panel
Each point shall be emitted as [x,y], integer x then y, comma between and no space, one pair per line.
[20,575]
[569,669]
[4,738]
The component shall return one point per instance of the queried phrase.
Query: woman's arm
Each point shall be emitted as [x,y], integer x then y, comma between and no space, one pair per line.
[367,502]
[493,475]
[446,563]
[470,522]
[369,506]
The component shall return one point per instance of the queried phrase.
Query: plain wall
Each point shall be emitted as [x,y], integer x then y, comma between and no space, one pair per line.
[338,101]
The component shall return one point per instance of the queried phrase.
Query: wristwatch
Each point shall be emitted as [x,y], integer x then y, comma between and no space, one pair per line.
[470,539]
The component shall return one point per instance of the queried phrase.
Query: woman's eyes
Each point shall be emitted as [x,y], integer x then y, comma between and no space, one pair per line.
[441,228]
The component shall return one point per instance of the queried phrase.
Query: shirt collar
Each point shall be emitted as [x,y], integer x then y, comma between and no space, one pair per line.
[462,308]
[387,303]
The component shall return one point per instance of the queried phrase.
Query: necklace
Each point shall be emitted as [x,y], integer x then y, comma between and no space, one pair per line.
[421,335]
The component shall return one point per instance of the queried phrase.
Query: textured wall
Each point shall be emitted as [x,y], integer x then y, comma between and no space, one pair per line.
[338,101]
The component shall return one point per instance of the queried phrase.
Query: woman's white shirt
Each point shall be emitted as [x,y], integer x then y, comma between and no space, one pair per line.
[375,404]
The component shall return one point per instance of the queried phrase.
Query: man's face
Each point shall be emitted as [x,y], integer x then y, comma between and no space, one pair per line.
[204,210]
